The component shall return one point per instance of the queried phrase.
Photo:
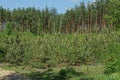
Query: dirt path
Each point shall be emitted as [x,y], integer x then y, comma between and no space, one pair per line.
[5,72]
[10,75]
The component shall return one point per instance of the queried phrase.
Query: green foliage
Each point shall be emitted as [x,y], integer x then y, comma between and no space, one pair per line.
[9,28]
[68,72]
[112,67]
[83,17]
[2,54]
[32,37]
[113,13]
[64,74]
[3,46]
[50,50]
[113,62]
[114,76]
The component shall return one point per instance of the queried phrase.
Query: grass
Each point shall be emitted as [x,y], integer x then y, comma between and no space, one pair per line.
[18,69]
[83,72]
[99,48]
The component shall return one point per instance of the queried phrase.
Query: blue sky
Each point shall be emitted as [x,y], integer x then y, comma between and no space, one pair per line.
[60,5]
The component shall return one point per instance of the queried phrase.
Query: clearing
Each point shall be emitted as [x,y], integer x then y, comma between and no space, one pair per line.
[10,75]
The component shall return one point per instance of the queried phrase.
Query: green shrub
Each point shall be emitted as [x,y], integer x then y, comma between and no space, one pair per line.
[112,67]
[2,55]
[68,72]
[51,50]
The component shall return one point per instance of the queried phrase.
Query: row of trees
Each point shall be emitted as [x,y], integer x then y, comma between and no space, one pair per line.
[83,18]
[52,50]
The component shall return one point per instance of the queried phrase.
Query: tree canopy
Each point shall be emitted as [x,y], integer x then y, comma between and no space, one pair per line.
[84,18]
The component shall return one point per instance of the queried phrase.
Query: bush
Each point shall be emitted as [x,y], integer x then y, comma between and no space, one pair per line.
[51,50]
[68,72]
[2,55]
[112,67]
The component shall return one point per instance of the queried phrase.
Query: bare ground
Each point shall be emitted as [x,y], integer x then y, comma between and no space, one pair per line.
[10,75]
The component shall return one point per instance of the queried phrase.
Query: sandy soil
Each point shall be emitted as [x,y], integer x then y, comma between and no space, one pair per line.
[10,75]
[5,72]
